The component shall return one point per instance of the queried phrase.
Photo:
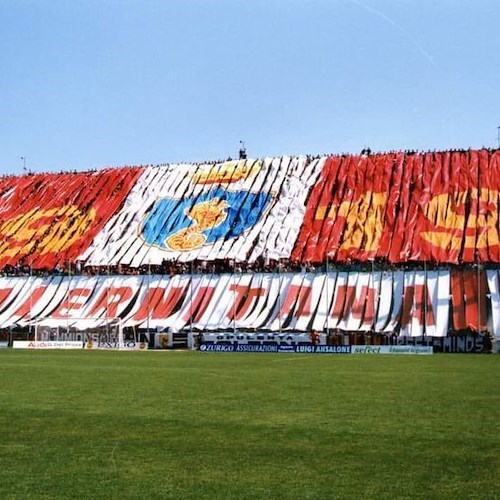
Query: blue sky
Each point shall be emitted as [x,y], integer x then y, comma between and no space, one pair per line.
[92,83]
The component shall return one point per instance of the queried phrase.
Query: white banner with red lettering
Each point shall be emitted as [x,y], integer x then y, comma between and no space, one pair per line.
[411,303]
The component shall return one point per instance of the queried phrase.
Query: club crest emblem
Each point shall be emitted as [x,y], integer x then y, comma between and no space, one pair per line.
[190,223]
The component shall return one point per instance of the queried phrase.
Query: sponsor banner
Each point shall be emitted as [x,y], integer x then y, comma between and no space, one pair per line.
[318,349]
[50,344]
[238,348]
[67,344]
[127,345]
[4,344]
[480,343]
[462,344]
[290,338]
[305,349]
[392,349]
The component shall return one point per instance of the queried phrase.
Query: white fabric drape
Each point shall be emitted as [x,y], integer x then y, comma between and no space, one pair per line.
[410,303]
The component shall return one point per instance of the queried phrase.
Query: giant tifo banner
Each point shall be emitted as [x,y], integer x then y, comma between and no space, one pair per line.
[440,207]
[47,219]
[397,207]
[232,210]
[406,303]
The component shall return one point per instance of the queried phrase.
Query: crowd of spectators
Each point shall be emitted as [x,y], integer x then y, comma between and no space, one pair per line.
[167,267]
[225,266]
[365,151]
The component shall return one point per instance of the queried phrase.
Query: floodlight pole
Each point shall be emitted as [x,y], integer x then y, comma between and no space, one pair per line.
[327,301]
[234,296]
[424,326]
[67,300]
[478,265]
[374,302]
[191,304]
[279,296]
[478,259]
[31,298]
[148,304]
[107,297]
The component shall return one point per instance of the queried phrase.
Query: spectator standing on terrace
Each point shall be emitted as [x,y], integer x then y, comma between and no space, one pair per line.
[243,151]
[314,337]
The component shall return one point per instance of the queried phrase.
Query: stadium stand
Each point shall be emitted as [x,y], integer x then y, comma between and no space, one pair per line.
[376,246]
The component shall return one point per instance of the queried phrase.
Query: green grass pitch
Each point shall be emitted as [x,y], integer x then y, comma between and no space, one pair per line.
[80,424]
